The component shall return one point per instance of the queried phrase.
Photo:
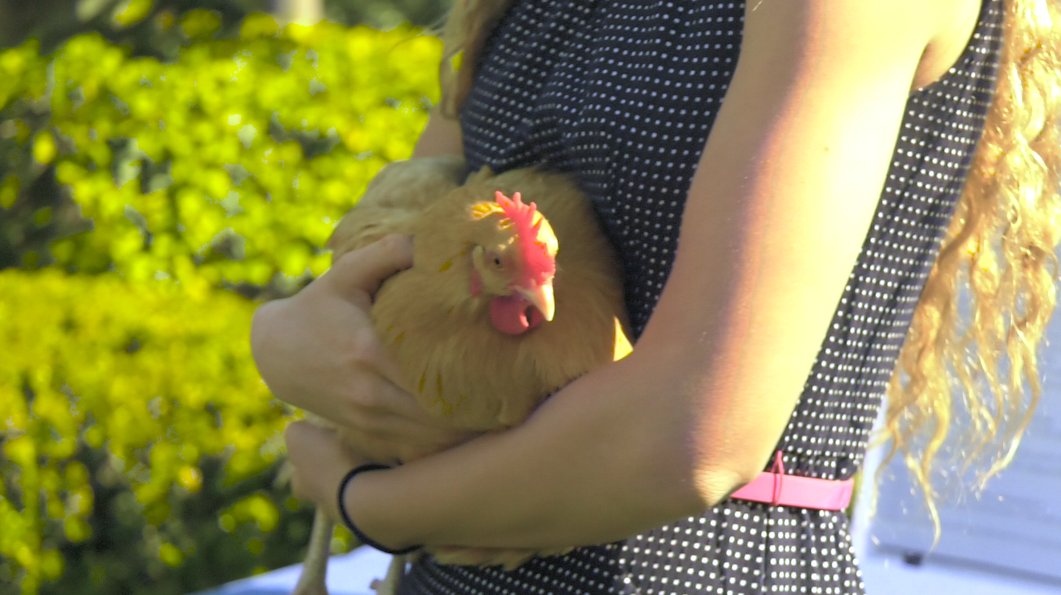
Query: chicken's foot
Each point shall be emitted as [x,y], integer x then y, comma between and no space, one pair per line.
[315,567]
[389,584]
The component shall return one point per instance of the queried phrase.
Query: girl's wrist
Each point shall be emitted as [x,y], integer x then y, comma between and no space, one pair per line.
[367,512]
[360,534]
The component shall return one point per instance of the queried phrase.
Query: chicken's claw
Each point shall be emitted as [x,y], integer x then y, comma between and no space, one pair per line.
[310,589]
[389,584]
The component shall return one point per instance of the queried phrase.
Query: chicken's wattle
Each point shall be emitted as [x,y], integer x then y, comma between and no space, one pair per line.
[514,315]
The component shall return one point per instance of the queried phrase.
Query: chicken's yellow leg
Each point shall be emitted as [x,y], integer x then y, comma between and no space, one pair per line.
[389,585]
[315,567]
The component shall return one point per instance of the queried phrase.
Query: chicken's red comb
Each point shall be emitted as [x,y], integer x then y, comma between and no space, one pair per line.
[539,264]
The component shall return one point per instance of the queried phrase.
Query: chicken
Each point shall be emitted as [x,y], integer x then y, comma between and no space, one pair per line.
[513,293]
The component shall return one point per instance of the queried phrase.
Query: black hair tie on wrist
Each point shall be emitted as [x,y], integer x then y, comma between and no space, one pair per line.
[350,524]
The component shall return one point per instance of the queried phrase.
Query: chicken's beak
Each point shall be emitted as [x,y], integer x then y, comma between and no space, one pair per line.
[541,297]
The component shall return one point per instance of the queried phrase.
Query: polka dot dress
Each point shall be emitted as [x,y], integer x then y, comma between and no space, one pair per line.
[623,94]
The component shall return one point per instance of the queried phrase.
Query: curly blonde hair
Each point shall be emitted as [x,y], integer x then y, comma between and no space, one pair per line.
[1011,191]
[463,33]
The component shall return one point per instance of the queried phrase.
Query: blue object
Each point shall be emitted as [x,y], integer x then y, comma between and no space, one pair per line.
[348,574]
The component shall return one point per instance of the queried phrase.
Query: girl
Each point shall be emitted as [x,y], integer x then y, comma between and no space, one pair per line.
[792,187]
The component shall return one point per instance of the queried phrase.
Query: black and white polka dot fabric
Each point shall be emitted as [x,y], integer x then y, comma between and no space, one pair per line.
[623,93]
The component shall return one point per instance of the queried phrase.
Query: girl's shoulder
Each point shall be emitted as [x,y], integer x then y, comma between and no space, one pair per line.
[957,21]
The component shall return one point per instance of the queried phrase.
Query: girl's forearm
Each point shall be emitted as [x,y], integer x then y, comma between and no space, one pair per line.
[605,458]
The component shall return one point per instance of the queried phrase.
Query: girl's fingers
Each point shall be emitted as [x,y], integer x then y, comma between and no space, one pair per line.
[471,556]
[459,556]
[392,423]
[516,559]
[320,461]
[360,273]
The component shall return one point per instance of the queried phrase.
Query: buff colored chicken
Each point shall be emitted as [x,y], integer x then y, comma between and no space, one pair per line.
[513,293]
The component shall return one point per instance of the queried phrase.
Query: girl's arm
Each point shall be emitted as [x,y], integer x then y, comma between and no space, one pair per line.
[775,218]
[441,136]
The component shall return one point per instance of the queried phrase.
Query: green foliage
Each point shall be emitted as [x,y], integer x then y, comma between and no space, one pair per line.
[141,24]
[384,14]
[125,407]
[132,418]
[232,163]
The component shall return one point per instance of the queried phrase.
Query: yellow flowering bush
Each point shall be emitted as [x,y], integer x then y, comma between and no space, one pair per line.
[234,163]
[139,445]
[144,374]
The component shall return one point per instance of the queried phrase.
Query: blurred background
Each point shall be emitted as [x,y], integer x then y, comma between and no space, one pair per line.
[167,165]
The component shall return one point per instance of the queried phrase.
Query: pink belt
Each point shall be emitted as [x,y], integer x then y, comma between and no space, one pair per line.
[777,489]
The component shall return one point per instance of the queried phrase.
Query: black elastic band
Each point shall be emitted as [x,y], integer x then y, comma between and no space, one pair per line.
[350,524]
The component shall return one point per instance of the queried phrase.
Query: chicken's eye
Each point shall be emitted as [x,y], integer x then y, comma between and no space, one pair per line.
[497,261]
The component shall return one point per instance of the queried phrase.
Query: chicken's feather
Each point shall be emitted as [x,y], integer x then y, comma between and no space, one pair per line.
[395,198]
[454,361]
[459,366]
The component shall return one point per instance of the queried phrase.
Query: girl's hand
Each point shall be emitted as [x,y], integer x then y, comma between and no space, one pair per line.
[318,350]
[320,462]
[511,559]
